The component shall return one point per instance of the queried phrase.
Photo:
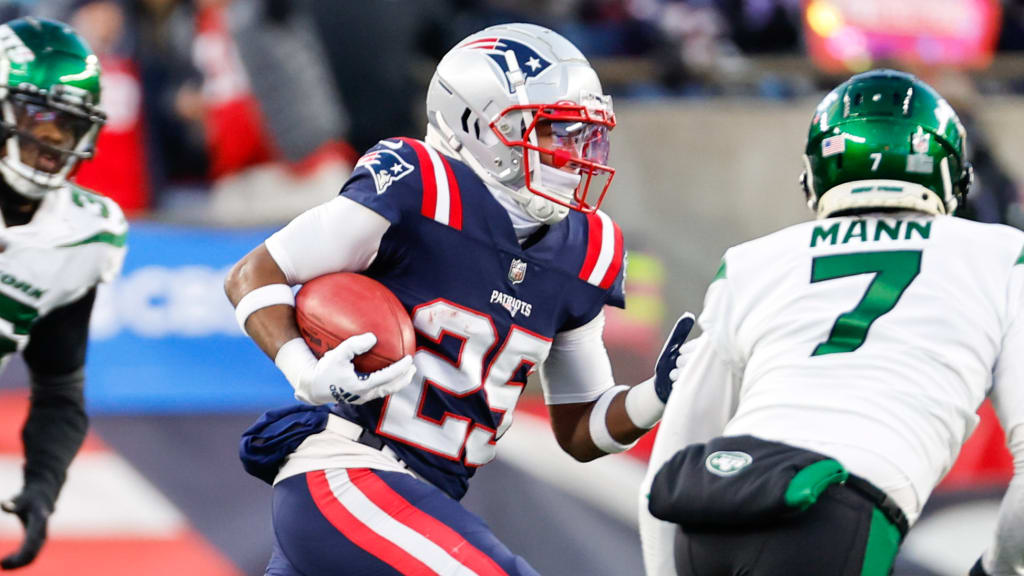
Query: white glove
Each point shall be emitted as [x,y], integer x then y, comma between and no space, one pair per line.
[333,378]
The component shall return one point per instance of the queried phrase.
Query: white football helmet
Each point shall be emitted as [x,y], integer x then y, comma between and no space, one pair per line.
[487,98]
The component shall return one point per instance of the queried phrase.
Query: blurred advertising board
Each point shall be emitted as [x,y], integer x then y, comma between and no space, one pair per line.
[846,36]
[163,335]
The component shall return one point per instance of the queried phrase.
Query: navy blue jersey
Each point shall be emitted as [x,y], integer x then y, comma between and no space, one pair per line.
[485,309]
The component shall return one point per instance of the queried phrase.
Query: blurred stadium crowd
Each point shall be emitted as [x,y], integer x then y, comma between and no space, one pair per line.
[245,112]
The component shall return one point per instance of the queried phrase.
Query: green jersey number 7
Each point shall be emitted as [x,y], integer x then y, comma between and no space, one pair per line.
[893,270]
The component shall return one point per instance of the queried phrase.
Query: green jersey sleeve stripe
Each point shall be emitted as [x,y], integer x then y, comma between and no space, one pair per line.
[20,315]
[104,237]
[1020,259]
[721,271]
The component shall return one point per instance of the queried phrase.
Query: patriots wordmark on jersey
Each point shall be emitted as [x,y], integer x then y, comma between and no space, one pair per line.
[484,307]
[75,240]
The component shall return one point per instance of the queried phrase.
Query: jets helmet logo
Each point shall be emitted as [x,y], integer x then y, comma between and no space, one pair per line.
[528,60]
[726,463]
[386,168]
[13,47]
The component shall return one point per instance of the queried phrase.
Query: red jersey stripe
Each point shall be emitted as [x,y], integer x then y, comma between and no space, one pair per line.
[616,264]
[593,246]
[426,166]
[455,198]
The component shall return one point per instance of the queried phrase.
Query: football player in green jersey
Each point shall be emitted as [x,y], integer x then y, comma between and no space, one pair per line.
[57,242]
[844,359]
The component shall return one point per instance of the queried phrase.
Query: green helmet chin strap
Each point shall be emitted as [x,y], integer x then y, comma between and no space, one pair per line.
[47,70]
[884,140]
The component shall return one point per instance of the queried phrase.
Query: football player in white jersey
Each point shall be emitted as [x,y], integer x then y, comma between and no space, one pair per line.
[57,242]
[843,359]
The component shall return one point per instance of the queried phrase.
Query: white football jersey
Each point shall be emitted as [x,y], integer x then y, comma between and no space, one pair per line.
[873,339]
[870,339]
[75,240]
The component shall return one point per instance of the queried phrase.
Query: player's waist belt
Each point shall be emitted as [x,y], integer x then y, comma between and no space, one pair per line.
[745,481]
[881,500]
[364,436]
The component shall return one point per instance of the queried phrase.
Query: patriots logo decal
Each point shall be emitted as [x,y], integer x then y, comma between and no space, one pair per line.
[386,167]
[530,62]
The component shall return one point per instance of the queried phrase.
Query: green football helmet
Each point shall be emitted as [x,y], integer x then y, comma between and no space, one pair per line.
[49,96]
[885,140]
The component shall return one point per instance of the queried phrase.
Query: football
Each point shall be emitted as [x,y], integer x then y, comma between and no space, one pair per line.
[333,307]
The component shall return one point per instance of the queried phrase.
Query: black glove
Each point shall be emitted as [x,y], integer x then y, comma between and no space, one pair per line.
[33,510]
[978,569]
[663,380]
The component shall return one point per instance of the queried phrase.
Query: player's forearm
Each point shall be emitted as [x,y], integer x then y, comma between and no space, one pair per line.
[269,327]
[620,425]
[54,431]
[574,427]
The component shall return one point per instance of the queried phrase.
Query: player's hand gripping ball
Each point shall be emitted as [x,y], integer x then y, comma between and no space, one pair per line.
[335,307]
[361,336]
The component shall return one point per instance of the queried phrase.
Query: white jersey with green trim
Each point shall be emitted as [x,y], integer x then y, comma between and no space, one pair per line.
[75,240]
[873,339]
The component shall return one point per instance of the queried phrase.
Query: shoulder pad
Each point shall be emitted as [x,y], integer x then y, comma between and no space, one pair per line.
[605,253]
[96,218]
[423,167]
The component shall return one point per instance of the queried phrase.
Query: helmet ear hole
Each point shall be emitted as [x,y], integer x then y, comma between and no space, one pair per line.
[466,113]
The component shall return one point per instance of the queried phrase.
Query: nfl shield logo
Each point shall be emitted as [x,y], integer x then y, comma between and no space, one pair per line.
[920,141]
[517,271]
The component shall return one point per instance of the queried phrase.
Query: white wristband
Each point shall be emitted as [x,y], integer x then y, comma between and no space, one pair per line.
[262,297]
[599,433]
[643,406]
[293,359]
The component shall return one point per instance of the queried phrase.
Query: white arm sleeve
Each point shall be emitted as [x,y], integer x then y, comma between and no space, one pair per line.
[337,236]
[1005,555]
[577,368]
[702,402]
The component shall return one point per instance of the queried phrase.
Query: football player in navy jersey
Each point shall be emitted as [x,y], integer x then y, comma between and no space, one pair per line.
[490,235]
